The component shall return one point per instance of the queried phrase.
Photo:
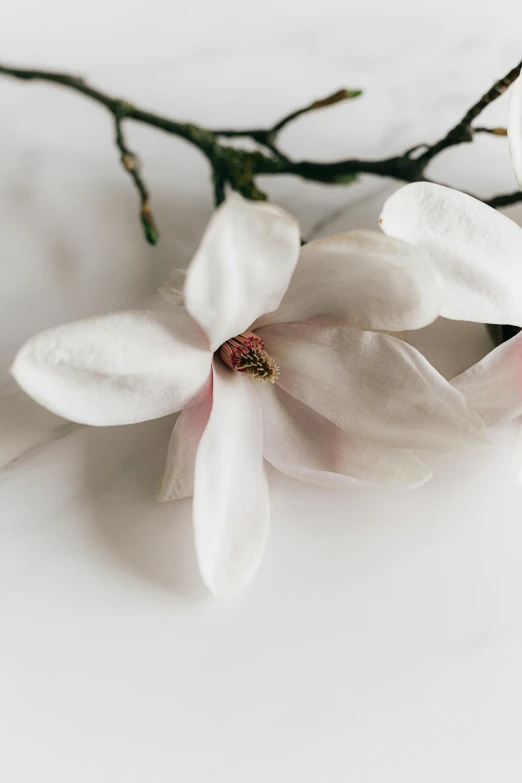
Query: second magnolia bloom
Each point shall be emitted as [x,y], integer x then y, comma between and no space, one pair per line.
[479,253]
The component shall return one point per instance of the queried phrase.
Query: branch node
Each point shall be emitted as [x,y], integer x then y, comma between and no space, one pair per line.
[122,108]
[130,161]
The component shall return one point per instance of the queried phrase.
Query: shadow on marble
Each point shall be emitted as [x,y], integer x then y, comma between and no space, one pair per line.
[153,540]
[25,426]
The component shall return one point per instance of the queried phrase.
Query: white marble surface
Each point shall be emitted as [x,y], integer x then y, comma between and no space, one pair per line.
[381,640]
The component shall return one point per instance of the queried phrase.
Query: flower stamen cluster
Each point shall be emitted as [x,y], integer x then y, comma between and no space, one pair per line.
[246,353]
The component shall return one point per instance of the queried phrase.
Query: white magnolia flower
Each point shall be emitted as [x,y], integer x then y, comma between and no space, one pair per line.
[271,361]
[479,254]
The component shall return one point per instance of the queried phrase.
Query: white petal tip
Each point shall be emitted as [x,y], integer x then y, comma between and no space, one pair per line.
[20,373]
[416,485]
[225,591]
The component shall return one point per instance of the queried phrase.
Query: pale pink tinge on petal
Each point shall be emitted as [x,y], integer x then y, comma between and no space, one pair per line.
[303,444]
[493,386]
[178,479]
[516,457]
[373,386]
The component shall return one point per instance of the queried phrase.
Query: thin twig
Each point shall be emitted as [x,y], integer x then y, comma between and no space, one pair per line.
[330,100]
[463,132]
[268,137]
[131,164]
[491,131]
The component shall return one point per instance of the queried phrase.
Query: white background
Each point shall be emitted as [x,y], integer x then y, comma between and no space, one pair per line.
[381,640]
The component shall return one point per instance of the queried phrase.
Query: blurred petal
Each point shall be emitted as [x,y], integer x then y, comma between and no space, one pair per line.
[373,386]
[361,278]
[231,504]
[115,369]
[516,457]
[178,480]
[477,250]
[305,445]
[515,129]
[242,267]
[172,290]
[493,386]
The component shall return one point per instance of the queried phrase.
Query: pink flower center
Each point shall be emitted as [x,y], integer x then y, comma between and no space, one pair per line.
[246,353]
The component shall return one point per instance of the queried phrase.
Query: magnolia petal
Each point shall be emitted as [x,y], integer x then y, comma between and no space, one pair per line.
[231,504]
[361,278]
[115,369]
[515,129]
[477,250]
[172,290]
[493,386]
[178,480]
[242,267]
[372,386]
[516,457]
[303,444]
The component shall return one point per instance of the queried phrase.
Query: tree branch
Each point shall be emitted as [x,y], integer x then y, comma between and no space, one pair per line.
[505,201]
[463,132]
[239,168]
